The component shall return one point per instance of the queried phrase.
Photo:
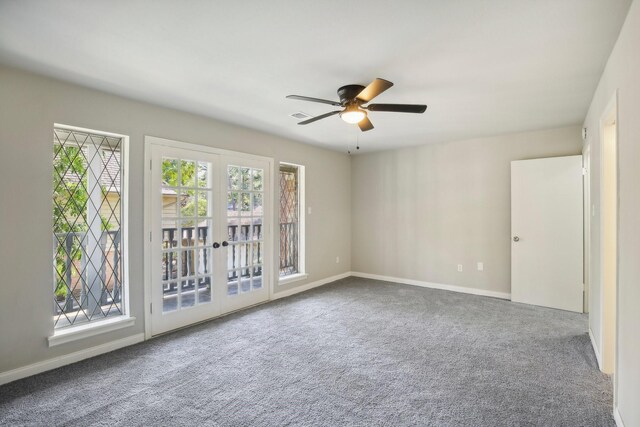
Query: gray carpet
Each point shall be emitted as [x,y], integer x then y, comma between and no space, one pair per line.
[353,353]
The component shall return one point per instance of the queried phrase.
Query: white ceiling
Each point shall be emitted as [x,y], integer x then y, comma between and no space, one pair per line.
[482,67]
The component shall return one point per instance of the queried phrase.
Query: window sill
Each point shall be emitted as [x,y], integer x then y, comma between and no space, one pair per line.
[75,333]
[293,278]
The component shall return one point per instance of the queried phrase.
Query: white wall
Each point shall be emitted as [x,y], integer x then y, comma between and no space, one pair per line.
[622,73]
[419,212]
[30,105]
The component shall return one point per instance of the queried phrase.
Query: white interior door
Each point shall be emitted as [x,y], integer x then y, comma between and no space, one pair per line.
[209,216]
[547,233]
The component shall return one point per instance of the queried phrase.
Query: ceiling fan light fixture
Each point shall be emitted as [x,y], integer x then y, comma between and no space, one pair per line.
[352,114]
[352,99]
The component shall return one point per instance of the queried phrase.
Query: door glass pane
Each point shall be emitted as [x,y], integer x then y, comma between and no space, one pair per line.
[169,172]
[257,229]
[233,202]
[188,264]
[188,173]
[202,236]
[170,297]
[245,283]
[257,204]
[188,294]
[240,255]
[245,204]
[169,265]
[233,231]
[202,201]
[233,178]
[257,254]
[245,214]
[203,175]
[188,233]
[170,288]
[204,261]
[246,178]
[186,225]
[257,180]
[170,204]
[187,203]
[231,257]
[256,277]
[169,234]
[204,289]
[245,229]
[232,282]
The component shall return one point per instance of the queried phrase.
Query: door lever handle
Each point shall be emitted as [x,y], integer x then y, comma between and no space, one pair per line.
[225,243]
[516,239]
[216,245]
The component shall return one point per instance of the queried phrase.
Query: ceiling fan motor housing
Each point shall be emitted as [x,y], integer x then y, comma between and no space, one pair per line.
[348,93]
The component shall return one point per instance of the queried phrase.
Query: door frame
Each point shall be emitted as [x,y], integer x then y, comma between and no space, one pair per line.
[608,117]
[586,189]
[268,205]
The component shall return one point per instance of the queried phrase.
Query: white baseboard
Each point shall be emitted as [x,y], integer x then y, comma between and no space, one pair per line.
[596,350]
[617,417]
[453,288]
[308,286]
[56,362]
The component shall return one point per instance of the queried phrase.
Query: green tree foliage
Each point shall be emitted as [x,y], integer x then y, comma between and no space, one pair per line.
[70,198]
[170,174]
[187,173]
[186,176]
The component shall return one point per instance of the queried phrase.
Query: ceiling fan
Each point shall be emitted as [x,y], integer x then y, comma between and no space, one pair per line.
[353,98]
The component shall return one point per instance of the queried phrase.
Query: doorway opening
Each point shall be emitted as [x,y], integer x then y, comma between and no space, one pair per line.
[609,234]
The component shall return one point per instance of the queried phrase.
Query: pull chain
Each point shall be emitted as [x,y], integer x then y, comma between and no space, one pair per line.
[357,142]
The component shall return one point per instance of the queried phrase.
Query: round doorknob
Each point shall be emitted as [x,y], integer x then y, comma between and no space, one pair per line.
[225,243]
[516,239]
[216,245]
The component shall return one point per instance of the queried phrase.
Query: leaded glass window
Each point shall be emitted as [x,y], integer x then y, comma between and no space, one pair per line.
[87,226]
[289,220]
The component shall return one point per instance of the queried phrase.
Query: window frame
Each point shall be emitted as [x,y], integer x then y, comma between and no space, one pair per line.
[107,324]
[302,270]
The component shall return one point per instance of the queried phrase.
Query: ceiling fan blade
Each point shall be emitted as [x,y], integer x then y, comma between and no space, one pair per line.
[365,124]
[320,117]
[397,108]
[307,98]
[374,89]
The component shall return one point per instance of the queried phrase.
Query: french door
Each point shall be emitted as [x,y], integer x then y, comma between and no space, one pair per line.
[245,232]
[208,234]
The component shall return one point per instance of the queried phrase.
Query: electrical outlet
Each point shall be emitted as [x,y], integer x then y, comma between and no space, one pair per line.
[480,266]
[309,210]
[337,260]
[459,267]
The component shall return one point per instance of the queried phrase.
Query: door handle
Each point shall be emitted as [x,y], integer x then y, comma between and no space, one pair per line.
[516,239]
[225,243]
[216,245]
